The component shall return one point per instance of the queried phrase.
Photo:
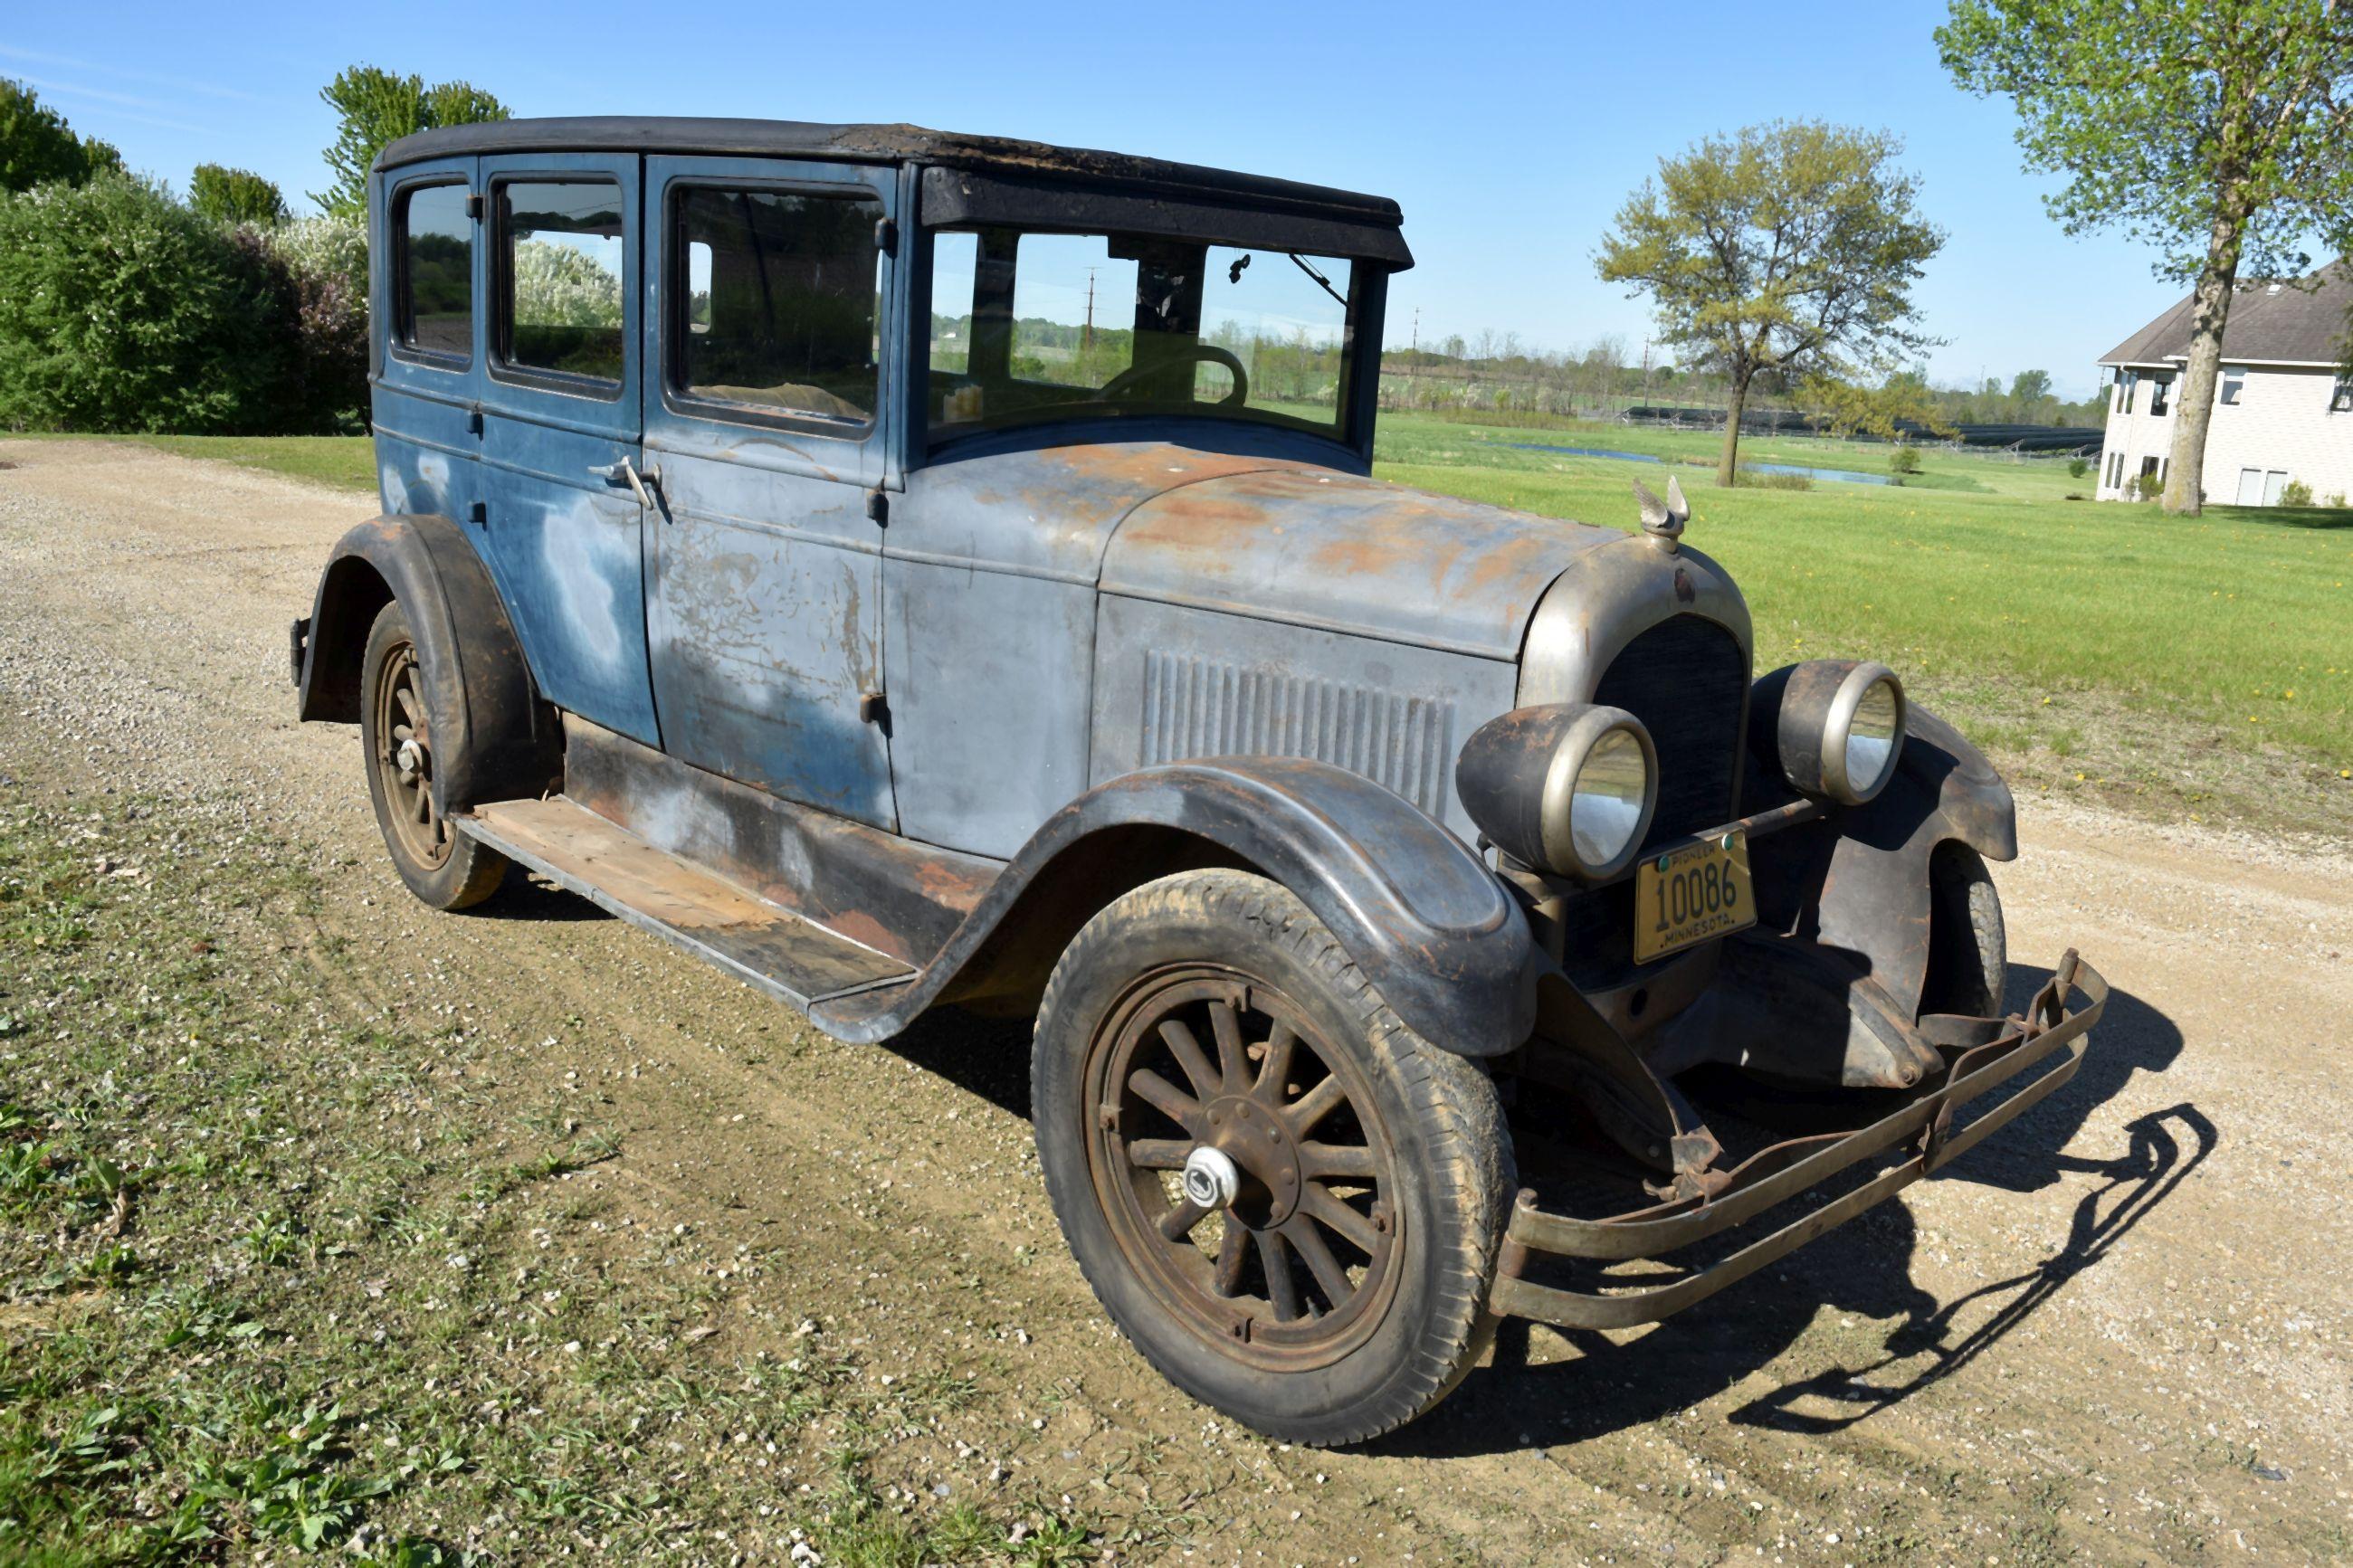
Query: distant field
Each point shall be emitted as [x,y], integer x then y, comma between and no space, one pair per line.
[2191,667]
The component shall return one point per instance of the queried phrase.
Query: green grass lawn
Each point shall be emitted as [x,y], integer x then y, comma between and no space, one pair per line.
[2064,628]
[2095,645]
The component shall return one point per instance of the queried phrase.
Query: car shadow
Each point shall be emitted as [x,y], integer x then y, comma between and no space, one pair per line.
[527,896]
[1863,1271]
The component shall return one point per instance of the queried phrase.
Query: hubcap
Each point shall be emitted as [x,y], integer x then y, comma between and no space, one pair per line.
[1244,1168]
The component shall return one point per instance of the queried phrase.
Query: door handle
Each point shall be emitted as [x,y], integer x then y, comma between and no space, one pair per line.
[626,473]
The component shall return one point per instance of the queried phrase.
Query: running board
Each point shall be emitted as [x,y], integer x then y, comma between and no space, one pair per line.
[792,958]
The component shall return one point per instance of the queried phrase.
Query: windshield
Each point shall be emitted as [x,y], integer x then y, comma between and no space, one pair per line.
[1033,326]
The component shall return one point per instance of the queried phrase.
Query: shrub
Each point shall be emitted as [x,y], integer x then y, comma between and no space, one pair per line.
[234,196]
[2296,492]
[1904,459]
[2147,486]
[2337,500]
[2078,466]
[120,310]
[1752,479]
[325,264]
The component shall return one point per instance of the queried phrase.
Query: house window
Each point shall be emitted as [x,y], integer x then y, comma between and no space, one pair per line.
[2235,382]
[2340,399]
[2127,383]
[2158,386]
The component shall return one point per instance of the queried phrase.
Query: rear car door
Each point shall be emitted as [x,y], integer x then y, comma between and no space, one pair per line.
[564,522]
[766,296]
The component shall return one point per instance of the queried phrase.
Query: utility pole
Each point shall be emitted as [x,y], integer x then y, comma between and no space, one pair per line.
[1087,336]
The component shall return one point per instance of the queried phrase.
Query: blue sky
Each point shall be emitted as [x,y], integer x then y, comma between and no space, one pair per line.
[1509,132]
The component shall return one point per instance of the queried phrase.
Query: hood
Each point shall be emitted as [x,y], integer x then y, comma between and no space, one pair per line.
[1344,554]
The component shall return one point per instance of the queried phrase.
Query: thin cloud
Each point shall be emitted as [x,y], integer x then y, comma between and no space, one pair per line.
[186,84]
[123,106]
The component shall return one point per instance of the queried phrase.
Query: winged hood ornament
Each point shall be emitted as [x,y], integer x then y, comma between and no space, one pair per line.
[1664,521]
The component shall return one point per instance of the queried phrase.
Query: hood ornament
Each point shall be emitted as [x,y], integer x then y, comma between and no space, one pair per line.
[1662,520]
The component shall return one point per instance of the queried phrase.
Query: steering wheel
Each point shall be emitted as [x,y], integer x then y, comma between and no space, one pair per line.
[1136,375]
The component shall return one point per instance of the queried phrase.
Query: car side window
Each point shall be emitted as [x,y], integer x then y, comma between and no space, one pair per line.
[560,274]
[433,309]
[775,303]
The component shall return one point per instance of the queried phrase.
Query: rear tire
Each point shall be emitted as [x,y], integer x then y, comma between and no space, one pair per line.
[443,867]
[1341,1289]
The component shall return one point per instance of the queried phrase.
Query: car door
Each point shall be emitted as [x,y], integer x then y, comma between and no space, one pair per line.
[564,525]
[767,307]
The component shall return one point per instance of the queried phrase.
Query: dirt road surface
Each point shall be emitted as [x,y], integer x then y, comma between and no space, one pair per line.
[2118,1334]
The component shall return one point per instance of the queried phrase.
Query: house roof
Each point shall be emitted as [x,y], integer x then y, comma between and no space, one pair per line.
[2270,321]
[1000,156]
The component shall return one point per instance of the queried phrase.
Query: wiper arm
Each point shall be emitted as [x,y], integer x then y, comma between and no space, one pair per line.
[1325,282]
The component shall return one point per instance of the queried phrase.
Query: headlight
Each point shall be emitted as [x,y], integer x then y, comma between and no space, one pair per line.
[1566,788]
[1840,728]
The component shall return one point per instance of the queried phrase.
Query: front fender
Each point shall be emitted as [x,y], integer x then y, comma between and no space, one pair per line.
[1858,880]
[1425,920]
[496,738]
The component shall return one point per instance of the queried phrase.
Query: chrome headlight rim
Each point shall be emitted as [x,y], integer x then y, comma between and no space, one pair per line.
[1838,729]
[1570,754]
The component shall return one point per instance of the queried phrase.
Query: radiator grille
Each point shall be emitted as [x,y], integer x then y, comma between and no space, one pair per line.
[1195,707]
[1687,680]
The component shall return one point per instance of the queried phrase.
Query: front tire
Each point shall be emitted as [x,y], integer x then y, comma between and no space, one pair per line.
[442,866]
[1335,1286]
[1969,946]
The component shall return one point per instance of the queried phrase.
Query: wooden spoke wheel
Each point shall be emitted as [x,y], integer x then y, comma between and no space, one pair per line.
[1295,1268]
[406,744]
[1288,1201]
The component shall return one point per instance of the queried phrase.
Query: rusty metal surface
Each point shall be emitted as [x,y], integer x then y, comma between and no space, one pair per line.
[887,892]
[789,957]
[1775,1175]
[1427,923]
[1333,552]
[1606,598]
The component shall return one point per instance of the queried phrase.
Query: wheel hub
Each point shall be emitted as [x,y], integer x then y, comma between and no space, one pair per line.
[1248,1133]
[410,760]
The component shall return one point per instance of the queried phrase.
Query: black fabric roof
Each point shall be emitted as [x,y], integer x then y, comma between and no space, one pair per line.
[883,143]
[2268,321]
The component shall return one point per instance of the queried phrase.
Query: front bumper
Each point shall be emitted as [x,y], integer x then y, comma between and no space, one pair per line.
[1786,1170]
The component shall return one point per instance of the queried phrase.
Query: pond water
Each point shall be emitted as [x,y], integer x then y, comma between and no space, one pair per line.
[1832,475]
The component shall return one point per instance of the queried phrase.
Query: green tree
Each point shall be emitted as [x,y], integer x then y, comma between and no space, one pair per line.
[1786,250]
[2221,132]
[379,108]
[1902,402]
[236,196]
[36,145]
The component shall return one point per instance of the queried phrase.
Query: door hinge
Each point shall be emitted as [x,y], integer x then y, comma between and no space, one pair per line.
[873,707]
[474,206]
[886,235]
[473,421]
[878,508]
[478,512]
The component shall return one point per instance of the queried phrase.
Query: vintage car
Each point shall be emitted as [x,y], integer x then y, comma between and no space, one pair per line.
[907,569]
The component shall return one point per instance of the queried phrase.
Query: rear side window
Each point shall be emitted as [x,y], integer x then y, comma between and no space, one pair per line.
[560,264]
[434,313]
[775,302]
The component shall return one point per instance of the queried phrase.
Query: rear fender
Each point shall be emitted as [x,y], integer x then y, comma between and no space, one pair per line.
[1857,882]
[1426,922]
[497,740]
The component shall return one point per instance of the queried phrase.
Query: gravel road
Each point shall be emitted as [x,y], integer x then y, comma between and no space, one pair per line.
[2122,1333]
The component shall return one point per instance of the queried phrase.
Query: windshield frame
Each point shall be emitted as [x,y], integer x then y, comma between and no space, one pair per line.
[1358,346]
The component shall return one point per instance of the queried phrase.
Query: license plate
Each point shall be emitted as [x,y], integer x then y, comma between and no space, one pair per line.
[1691,894]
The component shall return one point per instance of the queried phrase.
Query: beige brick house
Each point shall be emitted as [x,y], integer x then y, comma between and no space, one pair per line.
[2282,408]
